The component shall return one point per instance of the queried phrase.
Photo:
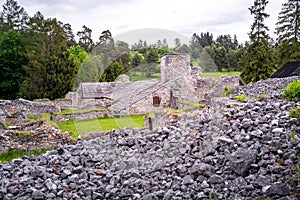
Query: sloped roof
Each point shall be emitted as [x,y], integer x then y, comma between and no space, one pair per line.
[287,70]
[97,89]
[123,94]
[128,93]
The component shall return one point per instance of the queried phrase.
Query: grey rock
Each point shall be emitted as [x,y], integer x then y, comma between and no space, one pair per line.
[97,195]
[37,195]
[240,160]
[66,173]
[187,180]
[277,188]
[215,179]
[204,185]
[202,169]
[262,181]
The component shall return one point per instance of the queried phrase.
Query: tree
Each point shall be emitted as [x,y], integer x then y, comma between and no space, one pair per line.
[112,72]
[206,61]
[85,39]
[13,16]
[257,61]
[205,39]
[90,71]
[220,57]
[106,48]
[184,49]
[51,71]
[152,61]
[69,34]
[78,54]
[122,47]
[136,60]
[12,59]
[177,44]
[288,41]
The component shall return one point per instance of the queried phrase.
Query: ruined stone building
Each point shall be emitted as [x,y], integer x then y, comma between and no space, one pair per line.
[180,82]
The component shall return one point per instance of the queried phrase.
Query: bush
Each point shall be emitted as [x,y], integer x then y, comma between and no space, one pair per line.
[227,90]
[295,113]
[240,98]
[292,92]
[33,117]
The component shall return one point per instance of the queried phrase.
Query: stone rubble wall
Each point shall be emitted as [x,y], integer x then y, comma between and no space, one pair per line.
[145,105]
[208,88]
[84,116]
[174,65]
[237,151]
[19,108]
[33,137]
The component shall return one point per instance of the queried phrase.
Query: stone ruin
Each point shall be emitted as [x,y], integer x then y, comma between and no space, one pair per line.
[19,131]
[179,81]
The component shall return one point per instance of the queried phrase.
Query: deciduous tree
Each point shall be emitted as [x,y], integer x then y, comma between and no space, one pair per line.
[12,60]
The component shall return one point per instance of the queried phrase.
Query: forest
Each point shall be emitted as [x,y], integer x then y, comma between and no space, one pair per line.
[41,57]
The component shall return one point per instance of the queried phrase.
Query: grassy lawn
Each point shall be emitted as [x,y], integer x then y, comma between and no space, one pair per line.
[217,75]
[137,76]
[102,124]
[12,154]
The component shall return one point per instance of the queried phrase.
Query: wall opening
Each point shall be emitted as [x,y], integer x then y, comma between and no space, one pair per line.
[156,101]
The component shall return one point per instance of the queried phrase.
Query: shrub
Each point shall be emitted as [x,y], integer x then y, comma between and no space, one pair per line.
[262,96]
[293,136]
[292,92]
[33,117]
[227,90]
[23,134]
[295,113]
[240,98]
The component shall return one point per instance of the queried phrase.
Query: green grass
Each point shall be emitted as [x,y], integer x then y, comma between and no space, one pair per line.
[102,124]
[12,154]
[33,117]
[217,75]
[137,76]
[70,111]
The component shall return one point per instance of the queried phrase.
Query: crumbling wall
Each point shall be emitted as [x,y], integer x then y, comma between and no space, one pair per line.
[174,65]
[145,105]
[208,88]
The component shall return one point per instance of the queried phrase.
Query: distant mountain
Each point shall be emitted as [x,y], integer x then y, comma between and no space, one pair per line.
[151,36]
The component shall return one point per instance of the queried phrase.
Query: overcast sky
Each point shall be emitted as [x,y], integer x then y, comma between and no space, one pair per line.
[183,16]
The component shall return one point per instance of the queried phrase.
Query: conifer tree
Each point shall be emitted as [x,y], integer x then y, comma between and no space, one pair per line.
[85,39]
[288,31]
[13,16]
[51,71]
[257,62]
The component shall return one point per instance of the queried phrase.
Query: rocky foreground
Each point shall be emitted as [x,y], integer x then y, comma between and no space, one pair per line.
[247,150]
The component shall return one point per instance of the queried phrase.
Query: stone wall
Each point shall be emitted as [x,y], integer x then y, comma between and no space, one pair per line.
[145,105]
[208,88]
[92,103]
[174,65]
[84,115]
[18,107]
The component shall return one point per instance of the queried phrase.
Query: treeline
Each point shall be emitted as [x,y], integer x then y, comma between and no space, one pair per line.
[40,58]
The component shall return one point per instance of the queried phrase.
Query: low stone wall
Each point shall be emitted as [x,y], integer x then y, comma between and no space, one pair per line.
[32,137]
[208,88]
[19,108]
[84,116]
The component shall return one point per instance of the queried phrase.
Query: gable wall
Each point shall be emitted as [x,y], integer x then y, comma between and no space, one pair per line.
[145,105]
